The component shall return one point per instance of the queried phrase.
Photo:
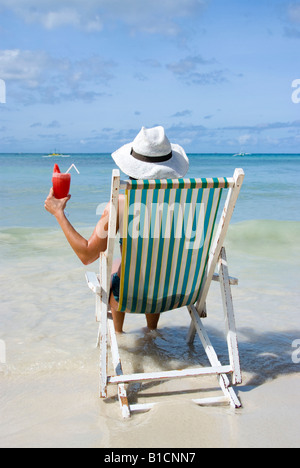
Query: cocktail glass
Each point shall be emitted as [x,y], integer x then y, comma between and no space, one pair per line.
[61,185]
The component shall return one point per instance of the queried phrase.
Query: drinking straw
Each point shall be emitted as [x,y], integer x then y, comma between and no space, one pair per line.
[73,165]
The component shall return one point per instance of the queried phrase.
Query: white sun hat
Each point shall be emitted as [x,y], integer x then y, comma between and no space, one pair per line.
[152,156]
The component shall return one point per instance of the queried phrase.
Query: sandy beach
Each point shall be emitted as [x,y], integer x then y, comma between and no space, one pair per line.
[62,410]
[49,388]
[57,417]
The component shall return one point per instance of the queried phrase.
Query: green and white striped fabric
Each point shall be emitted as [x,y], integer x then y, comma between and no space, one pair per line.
[167,232]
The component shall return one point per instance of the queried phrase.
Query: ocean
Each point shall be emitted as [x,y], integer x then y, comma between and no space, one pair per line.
[271,190]
[49,364]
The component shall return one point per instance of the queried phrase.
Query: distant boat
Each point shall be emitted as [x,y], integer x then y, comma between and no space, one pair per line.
[57,155]
[242,154]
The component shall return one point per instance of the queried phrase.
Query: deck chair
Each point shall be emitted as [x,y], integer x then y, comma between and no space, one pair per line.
[171,254]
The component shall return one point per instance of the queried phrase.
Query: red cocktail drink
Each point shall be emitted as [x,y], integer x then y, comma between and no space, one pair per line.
[61,183]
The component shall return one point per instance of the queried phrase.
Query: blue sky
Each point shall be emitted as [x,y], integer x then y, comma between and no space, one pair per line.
[85,76]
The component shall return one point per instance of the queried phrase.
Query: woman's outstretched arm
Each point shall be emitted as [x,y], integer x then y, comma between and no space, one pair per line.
[88,251]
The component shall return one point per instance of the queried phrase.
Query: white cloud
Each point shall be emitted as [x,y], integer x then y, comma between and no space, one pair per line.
[185,113]
[64,17]
[245,139]
[187,69]
[294,12]
[188,64]
[24,66]
[150,16]
[38,77]
[55,19]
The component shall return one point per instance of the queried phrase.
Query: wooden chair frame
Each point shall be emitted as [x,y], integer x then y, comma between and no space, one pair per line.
[100,285]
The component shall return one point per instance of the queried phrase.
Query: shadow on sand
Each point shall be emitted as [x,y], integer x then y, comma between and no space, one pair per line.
[264,356]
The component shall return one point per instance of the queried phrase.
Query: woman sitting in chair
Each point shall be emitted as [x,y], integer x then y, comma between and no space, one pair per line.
[149,156]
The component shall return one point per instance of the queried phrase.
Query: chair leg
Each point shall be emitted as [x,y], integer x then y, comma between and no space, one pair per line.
[229,318]
[98,314]
[122,394]
[192,330]
[102,310]
[103,353]
[224,382]
[191,334]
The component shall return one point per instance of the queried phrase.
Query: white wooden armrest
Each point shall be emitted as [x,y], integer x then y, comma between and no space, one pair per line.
[93,282]
[232,281]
